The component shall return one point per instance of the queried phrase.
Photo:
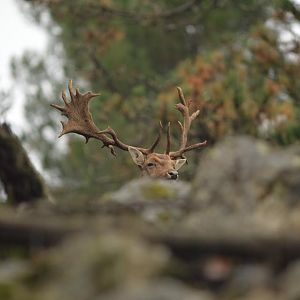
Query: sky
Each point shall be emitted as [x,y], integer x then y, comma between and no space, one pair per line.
[17,34]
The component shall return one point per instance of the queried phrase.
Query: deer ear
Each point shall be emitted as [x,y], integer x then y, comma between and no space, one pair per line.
[179,163]
[137,155]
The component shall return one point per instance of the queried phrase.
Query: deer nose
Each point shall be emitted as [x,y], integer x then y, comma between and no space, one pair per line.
[173,174]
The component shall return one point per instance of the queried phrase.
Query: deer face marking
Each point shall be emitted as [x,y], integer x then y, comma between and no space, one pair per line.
[156,165]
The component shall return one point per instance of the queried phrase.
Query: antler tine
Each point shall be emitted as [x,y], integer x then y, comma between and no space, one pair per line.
[60,108]
[70,87]
[181,126]
[157,140]
[80,120]
[64,97]
[180,152]
[183,107]
[168,148]
[181,96]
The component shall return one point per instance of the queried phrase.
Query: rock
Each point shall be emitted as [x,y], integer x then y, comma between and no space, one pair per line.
[145,190]
[240,173]
[162,290]
[11,273]
[12,269]
[290,282]
[265,293]
[93,264]
[233,235]
[153,200]
[247,278]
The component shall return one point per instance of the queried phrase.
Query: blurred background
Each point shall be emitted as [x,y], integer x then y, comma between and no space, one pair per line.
[238,60]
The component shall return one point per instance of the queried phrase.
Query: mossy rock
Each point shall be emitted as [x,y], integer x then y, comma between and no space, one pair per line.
[146,190]
[154,200]
[241,173]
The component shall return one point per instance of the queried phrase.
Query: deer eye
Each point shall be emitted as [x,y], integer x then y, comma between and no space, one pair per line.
[150,165]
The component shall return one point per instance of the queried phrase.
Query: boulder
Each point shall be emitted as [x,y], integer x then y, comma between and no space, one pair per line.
[240,173]
[153,200]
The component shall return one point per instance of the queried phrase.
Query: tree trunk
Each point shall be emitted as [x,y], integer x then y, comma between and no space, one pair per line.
[21,181]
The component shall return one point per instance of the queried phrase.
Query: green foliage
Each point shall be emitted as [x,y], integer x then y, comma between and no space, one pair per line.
[249,88]
[224,54]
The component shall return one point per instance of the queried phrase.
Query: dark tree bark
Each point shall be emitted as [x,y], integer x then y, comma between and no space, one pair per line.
[21,181]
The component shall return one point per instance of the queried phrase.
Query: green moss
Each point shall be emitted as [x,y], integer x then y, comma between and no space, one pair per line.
[6,291]
[13,252]
[296,161]
[13,291]
[263,148]
[105,198]
[279,190]
[165,216]
[157,191]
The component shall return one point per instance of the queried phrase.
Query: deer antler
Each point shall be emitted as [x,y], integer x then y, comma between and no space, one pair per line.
[184,108]
[80,121]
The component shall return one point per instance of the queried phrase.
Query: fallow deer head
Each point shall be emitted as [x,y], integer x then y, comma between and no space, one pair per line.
[151,164]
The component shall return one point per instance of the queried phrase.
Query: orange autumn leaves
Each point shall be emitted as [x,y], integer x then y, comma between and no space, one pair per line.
[241,88]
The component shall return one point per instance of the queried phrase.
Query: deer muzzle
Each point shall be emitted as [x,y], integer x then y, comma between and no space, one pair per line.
[173,175]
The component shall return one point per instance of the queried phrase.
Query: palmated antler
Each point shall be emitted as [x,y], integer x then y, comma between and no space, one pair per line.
[80,121]
[184,108]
